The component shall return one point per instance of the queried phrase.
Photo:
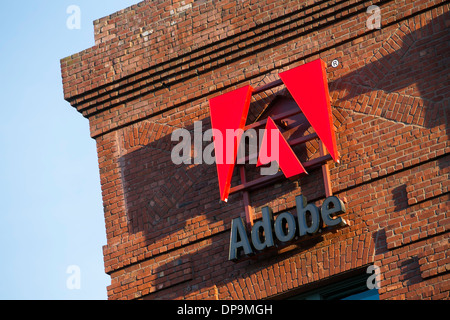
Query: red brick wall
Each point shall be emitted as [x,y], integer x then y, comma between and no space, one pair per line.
[152,70]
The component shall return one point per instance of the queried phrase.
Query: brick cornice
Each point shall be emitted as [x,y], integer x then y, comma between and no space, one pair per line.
[113,84]
[175,73]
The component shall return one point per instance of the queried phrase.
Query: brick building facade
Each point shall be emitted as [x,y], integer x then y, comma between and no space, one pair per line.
[153,69]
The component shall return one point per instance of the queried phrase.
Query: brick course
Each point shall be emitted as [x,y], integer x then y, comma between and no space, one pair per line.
[152,70]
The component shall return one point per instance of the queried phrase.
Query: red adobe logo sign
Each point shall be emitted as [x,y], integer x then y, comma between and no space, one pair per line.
[309,88]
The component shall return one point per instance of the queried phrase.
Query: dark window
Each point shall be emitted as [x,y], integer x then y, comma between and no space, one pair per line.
[354,288]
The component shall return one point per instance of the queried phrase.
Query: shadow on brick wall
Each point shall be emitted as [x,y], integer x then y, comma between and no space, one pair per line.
[410,271]
[379,239]
[407,74]
[163,199]
[168,204]
[400,197]
[160,196]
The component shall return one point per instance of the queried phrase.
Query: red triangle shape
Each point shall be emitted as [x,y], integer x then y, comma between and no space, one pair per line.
[282,153]
[309,87]
[228,112]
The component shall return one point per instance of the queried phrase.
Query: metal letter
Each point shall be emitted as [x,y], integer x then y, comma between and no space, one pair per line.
[330,207]
[266,225]
[301,216]
[291,227]
[238,232]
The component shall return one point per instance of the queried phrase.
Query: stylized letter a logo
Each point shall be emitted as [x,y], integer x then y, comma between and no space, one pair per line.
[308,86]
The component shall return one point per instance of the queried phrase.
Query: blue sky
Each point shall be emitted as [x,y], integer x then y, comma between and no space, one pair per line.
[50,197]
